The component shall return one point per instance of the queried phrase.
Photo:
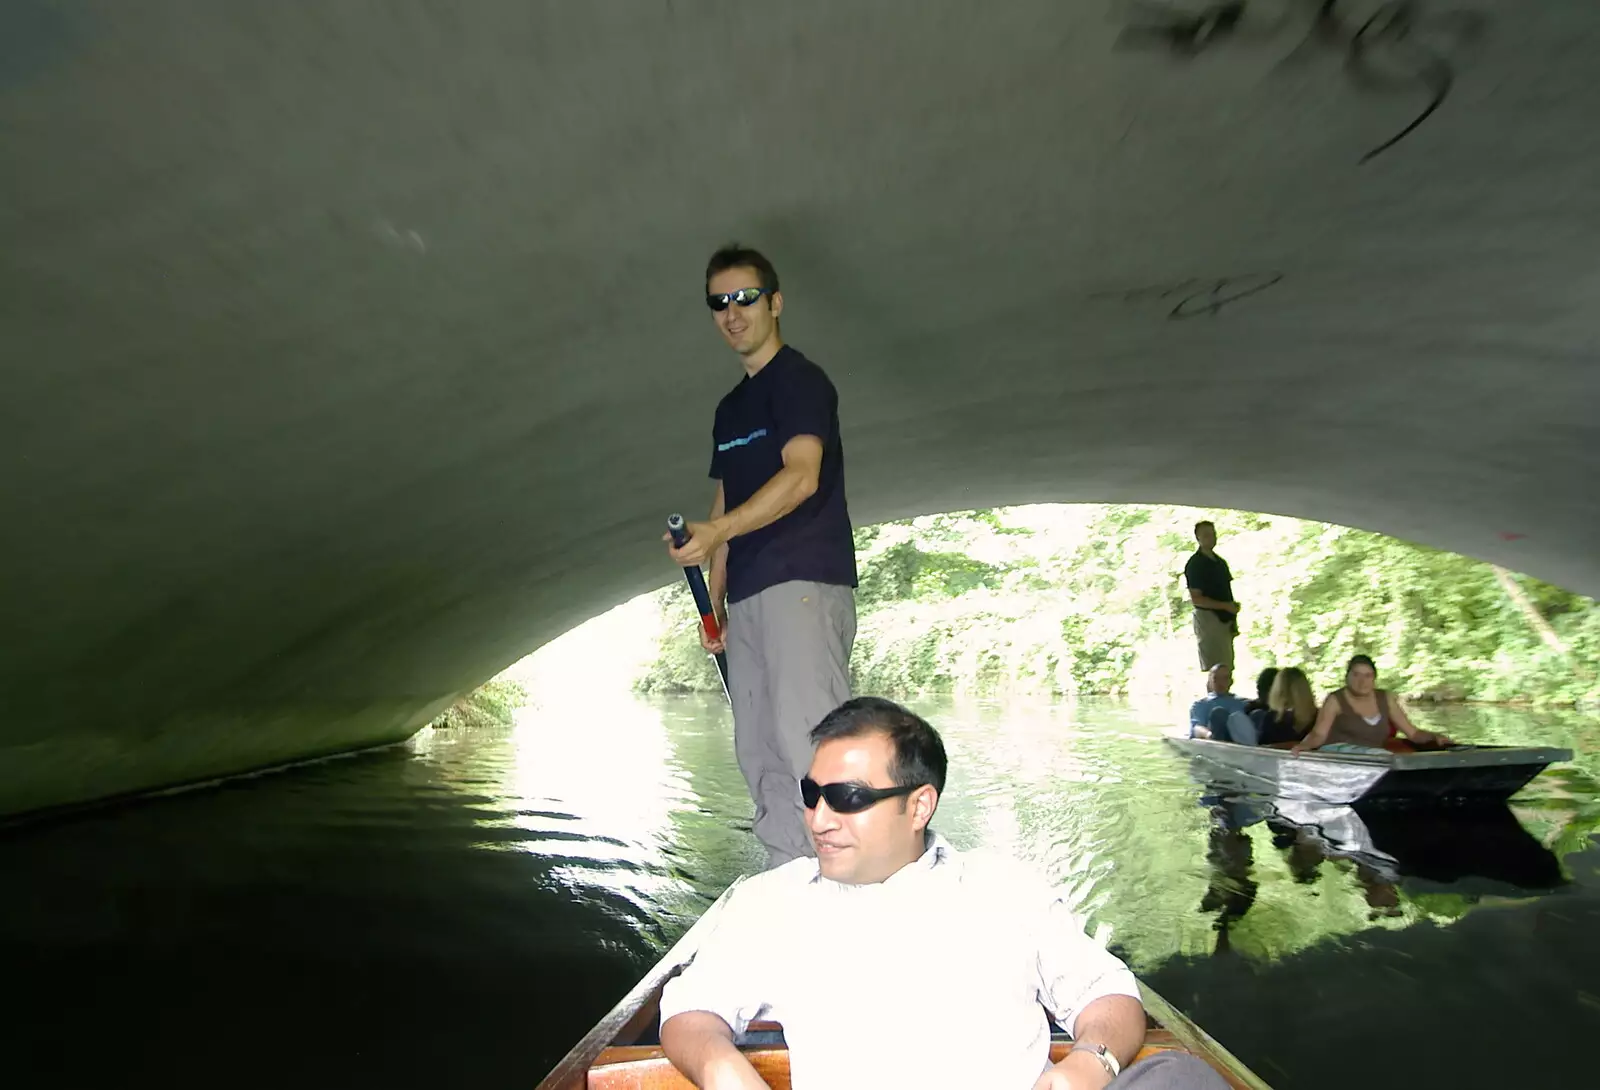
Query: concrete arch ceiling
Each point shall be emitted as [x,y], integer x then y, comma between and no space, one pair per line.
[353,350]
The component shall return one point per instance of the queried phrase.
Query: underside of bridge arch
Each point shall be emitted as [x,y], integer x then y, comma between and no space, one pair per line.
[351,351]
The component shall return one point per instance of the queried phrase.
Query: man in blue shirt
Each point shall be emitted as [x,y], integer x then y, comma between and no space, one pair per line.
[1219,714]
[783,564]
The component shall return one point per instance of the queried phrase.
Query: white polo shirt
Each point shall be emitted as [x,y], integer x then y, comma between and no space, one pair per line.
[938,977]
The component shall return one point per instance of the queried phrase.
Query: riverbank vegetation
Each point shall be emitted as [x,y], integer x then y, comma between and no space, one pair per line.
[493,703]
[1083,599]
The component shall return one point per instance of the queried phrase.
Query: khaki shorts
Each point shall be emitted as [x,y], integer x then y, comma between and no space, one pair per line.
[1214,637]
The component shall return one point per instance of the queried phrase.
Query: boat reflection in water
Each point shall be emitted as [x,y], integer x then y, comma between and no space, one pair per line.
[1474,848]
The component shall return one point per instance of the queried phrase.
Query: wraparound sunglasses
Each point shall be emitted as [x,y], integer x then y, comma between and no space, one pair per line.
[847,798]
[744,297]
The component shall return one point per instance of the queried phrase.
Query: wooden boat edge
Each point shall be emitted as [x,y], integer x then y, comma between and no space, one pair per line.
[1197,1040]
[635,1009]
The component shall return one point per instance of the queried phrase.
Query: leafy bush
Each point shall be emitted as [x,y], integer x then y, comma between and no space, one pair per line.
[494,703]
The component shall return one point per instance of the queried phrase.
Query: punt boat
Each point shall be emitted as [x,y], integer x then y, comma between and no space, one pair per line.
[623,1049]
[1400,774]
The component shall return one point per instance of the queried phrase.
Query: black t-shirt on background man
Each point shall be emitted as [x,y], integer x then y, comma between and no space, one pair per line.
[1210,576]
[790,396]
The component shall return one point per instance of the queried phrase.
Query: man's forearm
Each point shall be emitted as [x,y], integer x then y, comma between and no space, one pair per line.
[719,559]
[1202,602]
[1116,1021]
[788,489]
[719,580]
[700,1045]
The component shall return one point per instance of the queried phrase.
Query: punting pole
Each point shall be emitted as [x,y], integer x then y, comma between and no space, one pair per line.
[702,596]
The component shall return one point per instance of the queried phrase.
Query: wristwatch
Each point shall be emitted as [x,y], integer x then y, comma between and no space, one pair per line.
[1103,1054]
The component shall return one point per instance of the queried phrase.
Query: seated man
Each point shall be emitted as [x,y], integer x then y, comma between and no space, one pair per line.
[893,960]
[1219,714]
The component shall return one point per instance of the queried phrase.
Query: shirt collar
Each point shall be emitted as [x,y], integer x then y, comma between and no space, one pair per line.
[936,852]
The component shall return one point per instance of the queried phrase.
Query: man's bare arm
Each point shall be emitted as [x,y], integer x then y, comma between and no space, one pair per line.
[787,489]
[1116,1021]
[719,561]
[700,1045]
[1202,602]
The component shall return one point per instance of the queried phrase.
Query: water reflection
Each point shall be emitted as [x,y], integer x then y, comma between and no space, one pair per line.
[1472,850]
[333,925]
[459,909]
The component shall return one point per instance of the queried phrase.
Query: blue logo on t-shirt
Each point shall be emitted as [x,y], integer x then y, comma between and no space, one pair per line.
[731,443]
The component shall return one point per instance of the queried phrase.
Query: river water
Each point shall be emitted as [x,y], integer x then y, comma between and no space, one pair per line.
[456,911]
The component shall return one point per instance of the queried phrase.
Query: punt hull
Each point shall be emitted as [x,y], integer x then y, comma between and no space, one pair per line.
[1480,773]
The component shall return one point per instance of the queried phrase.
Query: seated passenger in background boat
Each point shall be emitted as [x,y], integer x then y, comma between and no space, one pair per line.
[1219,715]
[1263,695]
[893,960]
[1291,709]
[1359,715]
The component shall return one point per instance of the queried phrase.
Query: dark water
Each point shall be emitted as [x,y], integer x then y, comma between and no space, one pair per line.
[459,910]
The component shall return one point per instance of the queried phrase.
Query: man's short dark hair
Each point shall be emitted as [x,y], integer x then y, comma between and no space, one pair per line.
[735,256]
[918,750]
[1203,522]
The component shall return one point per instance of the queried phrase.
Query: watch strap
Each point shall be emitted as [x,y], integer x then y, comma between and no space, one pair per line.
[1103,1054]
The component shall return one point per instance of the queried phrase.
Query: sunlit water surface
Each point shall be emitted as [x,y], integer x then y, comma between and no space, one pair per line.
[458,910]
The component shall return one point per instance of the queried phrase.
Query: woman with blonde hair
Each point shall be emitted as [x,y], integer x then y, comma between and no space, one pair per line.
[1291,708]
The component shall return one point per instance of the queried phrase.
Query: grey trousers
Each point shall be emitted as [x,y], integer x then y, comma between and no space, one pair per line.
[1168,1071]
[788,666]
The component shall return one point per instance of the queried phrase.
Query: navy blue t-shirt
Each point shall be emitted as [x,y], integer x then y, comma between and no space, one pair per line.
[1210,576]
[790,396]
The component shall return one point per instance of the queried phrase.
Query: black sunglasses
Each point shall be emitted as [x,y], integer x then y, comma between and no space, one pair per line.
[847,798]
[744,297]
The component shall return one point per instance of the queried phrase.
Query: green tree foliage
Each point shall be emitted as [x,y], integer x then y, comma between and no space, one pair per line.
[493,703]
[682,666]
[1084,599]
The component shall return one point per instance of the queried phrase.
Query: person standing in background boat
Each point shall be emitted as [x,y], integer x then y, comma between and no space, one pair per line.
[779,543]
[1360,714]
[893,960]
[1216,614]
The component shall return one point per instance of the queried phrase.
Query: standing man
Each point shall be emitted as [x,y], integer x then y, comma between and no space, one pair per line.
[783,562]
[1216,614]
